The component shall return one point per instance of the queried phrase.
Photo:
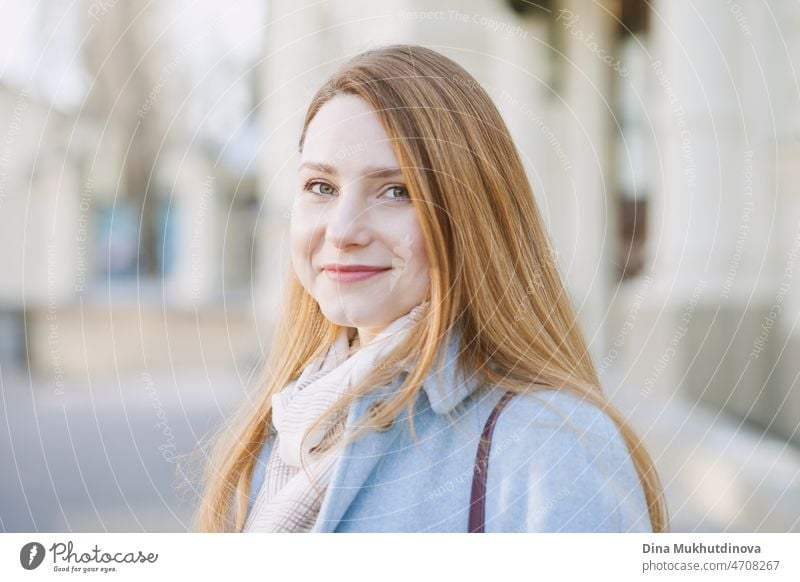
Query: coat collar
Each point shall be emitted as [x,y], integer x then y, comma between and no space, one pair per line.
[445,388]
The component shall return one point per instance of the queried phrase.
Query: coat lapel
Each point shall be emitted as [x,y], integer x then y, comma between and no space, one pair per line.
[356,463]
[444,392]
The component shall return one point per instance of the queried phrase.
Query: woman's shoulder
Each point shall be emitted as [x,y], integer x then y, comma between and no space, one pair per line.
[551,409]
[554,423]
[559,429]
[558,462]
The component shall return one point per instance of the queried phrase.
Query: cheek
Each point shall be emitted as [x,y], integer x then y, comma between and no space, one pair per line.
[410,246]
[301,244]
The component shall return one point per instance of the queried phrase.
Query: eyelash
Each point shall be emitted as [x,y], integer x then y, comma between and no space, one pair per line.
[307,187]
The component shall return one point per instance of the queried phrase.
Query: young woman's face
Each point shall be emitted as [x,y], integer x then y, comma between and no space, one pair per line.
[352,209]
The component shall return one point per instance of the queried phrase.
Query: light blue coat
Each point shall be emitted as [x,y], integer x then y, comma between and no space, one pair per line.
[556,464]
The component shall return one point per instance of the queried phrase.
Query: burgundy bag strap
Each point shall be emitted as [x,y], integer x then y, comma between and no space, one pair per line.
[477,502]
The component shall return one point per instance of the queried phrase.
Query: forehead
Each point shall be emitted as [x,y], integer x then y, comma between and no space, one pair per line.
[347,133]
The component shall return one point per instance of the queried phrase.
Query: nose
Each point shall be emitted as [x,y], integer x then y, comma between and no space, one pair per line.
[347,221]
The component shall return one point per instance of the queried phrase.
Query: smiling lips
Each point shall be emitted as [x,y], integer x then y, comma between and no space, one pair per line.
[352,273]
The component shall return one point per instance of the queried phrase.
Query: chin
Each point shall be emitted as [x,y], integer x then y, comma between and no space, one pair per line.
[344,314]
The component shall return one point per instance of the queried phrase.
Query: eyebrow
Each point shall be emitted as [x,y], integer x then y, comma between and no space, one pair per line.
[369,172]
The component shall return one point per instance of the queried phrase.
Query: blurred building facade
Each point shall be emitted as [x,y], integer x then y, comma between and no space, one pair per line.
[144,219]
[663,163]
[663,147]
[129,194]
[147,163]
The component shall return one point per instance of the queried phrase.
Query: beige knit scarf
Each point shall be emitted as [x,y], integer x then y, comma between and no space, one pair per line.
[291,496]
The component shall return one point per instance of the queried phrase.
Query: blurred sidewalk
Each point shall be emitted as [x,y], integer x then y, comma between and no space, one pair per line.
[102,457]
[719,474]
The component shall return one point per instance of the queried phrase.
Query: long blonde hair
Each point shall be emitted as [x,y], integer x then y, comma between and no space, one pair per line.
[491,264]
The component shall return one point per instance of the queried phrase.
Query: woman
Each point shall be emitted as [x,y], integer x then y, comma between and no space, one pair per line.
[423,310]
